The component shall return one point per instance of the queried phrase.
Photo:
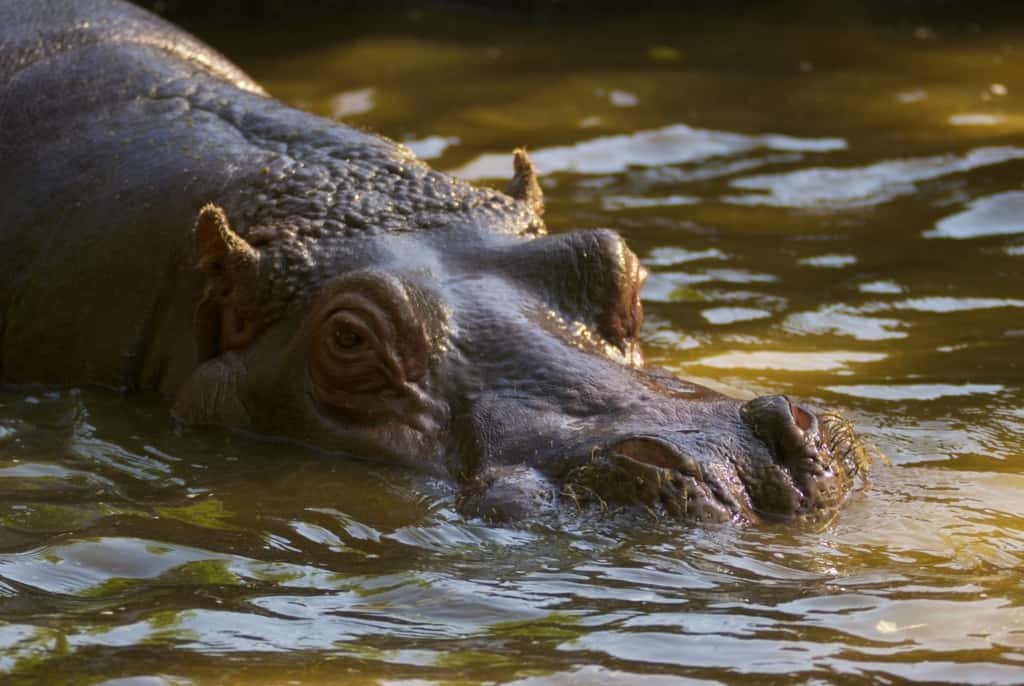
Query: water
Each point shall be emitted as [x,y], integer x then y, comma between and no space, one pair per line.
[830,208]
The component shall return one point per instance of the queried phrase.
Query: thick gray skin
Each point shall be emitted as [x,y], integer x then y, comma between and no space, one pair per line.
[347,297]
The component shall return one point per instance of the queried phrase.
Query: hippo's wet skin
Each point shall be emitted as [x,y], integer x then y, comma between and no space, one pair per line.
[165,224]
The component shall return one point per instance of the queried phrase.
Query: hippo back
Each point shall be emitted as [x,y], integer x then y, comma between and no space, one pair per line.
[32,31]
[103,174]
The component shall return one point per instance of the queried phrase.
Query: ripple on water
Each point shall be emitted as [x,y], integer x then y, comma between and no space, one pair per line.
[911,96]
[449,536]
[942,304]
[431,147]
[975,119]
[600,676]
[83,567]
[352,103]
[107,566]
[658,332]
[673,286]
[914,391]
[730,315]
[843,320]
[668,256]
[831,261]
[632,202]
[1002,213]
[881,287]
[833,360]
[742,654]
[912,624]
[648,177]
[835,188]
[676,144]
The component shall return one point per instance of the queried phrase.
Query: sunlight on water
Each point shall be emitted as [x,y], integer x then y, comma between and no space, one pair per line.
[728,315]
[913,391]
[864,186]
[989,216]
[790,361]
[842,320]
[431,147]
[830,206]
[675,144]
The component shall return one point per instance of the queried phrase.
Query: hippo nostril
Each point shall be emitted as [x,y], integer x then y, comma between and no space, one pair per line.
[801,417]
[788,429]
[647,451]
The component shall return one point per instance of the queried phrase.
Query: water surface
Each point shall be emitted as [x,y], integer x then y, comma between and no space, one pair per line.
[831,207]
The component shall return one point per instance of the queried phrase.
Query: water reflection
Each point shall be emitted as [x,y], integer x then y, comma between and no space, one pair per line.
[913,391]
[843,320]
[728,315]
[833,360]
[993,215]
[431,147]
[351,103]
[830,261]
[675,144]
[838,189]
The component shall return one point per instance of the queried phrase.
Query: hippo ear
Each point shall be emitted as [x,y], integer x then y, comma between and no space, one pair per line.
[230,266]
[215,241]
[524,186]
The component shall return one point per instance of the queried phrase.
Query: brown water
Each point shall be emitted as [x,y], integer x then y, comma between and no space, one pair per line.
[830,208]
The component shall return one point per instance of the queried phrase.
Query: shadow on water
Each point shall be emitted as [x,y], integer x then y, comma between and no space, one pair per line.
[829,209]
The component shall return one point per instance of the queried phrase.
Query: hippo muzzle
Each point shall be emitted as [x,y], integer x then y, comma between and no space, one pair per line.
[703,458]
[799,467]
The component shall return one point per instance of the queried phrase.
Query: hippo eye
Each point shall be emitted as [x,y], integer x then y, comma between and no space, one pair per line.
[349,354]
[349,335]
[366,343]
[347,339]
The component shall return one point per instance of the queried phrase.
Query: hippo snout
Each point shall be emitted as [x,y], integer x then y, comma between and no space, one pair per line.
[818,456]
[779,462]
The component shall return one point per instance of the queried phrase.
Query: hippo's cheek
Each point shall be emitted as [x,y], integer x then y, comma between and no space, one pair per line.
[212,395]
[661,481]
[407,428]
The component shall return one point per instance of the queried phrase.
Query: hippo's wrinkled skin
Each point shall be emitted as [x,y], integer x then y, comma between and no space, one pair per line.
[165,224]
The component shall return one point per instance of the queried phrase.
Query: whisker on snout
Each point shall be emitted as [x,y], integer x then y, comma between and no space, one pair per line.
[846,446]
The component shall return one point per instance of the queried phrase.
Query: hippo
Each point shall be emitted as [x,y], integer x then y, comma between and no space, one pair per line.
[169,226]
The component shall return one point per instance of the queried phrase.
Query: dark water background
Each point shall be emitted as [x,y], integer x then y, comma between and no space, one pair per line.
[831,205]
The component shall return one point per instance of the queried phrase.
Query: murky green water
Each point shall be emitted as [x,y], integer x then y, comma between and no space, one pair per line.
[830,208]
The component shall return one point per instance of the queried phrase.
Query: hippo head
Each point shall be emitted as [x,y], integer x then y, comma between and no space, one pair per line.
[482,350]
